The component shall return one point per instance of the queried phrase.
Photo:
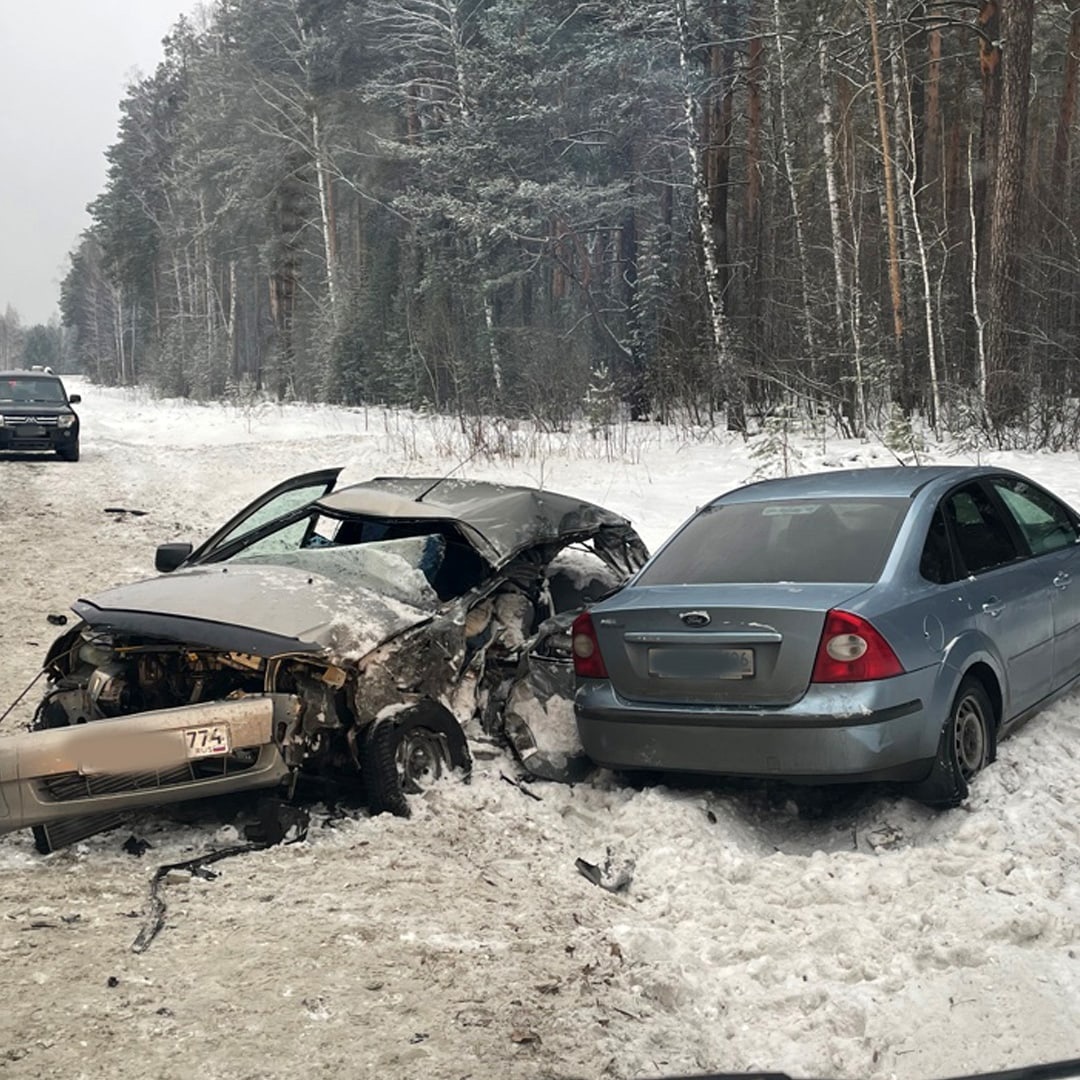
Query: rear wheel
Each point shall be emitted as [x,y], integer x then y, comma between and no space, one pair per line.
[965,749]
[406,753]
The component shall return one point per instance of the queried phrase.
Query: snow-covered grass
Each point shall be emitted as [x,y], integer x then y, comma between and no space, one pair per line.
[850,934]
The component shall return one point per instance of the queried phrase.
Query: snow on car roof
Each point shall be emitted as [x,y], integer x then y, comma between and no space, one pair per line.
[507,518]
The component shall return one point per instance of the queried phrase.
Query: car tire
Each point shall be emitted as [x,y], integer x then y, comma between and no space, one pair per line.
[49,714]
[69,453]
[965,748]
[405,753]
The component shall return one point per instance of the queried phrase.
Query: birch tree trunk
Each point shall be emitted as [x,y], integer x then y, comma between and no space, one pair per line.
[836,231]
[906,156]
[117,295]
[230,326]
[789,176]
[976,313]
[717,319]
[322,180]
[890,185]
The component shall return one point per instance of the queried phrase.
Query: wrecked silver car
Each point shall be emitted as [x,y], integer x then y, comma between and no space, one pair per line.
[354,633]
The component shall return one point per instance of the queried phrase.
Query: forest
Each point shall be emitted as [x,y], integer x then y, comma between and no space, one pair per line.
[692,211]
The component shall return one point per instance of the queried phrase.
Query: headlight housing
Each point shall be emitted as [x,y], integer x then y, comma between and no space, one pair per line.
[65,421]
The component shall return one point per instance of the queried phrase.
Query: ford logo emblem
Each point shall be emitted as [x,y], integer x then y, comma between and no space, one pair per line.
[695,618]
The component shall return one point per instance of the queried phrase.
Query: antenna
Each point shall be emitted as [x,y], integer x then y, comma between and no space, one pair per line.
[460,465]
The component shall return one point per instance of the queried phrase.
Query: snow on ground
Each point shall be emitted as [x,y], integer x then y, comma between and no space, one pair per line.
[854,935]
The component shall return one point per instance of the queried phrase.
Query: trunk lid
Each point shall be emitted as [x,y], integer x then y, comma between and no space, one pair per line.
[727,644]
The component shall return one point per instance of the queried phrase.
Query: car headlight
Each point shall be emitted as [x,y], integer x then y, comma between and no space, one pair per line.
[1,421]
[65,421]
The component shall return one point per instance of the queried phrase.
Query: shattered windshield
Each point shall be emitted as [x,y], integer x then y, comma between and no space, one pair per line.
[31,390]
[402,569]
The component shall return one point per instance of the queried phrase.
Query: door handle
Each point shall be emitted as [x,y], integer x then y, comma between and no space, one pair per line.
[992,607]
[1061,581]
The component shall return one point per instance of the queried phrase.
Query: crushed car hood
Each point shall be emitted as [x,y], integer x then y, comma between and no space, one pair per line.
[262,610]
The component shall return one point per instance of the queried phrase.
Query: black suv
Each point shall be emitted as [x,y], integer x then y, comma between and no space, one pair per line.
[36,414]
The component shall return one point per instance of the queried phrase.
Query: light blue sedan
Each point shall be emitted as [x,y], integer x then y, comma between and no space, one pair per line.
[871,624]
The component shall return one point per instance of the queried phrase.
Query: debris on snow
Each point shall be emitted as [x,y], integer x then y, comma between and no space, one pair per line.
[615,875]
[136,845]
[521,787]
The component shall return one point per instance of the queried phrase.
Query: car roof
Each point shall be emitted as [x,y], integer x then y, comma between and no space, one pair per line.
[506,518]
[896,482]
[24,372]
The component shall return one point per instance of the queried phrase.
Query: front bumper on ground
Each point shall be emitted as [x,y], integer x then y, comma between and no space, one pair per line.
[834,733]
[109,766]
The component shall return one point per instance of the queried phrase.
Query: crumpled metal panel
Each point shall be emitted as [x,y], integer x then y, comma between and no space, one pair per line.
[299,607]
[151,742]
[505,518]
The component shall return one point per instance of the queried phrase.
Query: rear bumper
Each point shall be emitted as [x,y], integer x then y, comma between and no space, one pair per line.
[857,732]
[109,766]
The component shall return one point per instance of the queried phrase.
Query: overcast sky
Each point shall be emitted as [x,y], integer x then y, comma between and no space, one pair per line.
[64,66]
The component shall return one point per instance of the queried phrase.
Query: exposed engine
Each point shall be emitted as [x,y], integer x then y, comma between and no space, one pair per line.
[96,674]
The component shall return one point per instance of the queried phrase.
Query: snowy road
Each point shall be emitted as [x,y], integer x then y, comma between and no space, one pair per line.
[869,938]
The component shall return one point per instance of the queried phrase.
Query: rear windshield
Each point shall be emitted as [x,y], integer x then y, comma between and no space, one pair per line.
[31,389]
[803,540]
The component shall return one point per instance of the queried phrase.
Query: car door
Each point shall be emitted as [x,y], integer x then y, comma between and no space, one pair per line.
[1051,531]
[1009,594]
[285,498]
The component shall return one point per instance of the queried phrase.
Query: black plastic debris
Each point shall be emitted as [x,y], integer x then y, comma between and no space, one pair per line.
[125,510]
[279,823]
[155,915]
[615,876]
[136,845]
[520,786]
[57,620]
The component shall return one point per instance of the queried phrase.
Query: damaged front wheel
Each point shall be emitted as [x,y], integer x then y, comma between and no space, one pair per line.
[405,753]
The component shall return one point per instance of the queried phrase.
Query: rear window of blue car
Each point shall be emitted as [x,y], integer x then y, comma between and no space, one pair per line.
[800,541]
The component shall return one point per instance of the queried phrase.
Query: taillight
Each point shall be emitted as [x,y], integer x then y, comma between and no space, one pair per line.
[851,650]
[588,663]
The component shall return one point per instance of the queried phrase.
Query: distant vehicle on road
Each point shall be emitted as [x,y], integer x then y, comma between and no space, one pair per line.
[36,414]
[871,624]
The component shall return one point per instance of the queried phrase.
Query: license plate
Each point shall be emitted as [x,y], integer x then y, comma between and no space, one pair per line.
[207,741]
[29,431]
[701,663]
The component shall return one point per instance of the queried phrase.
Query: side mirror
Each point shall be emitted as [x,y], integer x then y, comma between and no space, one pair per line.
[170,556]
[74,399]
